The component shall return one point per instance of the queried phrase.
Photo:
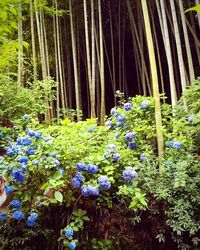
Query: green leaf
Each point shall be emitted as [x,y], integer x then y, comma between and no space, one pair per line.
[58,196]
[195,8]
[25,44]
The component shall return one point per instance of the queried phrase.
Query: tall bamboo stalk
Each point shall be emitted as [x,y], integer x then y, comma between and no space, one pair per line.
[169,57]
[20,51]
[74,54]
[102,77]
[33,41]
[158,118]
[187,43]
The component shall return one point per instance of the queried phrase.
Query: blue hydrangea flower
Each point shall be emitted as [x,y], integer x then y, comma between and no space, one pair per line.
[93,190]
[129,136]
[116,157]
[15,127]
[26,141]
[23,167]
[106,155]
[30,151]
[119,124]
[75,183]
[117,136]
[1,135]
[23,159]
[132,145]
[5,168]
[121,118]
[90,130]
[129,174]
[35,162]
[31,221]
[128,106]
[144,105]
[18,176]
[112,147]
[18,215]
[170,144]
[104,182]
[62,171]
[190,119]
[48,139]
[79,176]
[31,133]
[8,138]
[1,159]
[69,232]
[80,166]
[25,117]
[3,216]
[168,164]
[85,190]
[15,203]
[92,169]
[8,190]
[114,112]
[57,162]
[177,145]
[72,245]
[108,123]
[38,135]
[143,157]
[54,154]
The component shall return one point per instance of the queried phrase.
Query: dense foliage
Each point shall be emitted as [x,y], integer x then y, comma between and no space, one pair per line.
[102,187]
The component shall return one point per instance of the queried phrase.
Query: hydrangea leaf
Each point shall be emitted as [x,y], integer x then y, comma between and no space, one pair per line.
[58,196]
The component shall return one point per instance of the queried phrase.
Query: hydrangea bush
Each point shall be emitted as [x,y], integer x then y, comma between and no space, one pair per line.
[71,169]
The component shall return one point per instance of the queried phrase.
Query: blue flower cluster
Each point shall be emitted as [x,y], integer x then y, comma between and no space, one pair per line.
[81,166]
[129,174]
[1,159]
[18,176]
[144,104]
[128,106]
[174,144]
[129,137]
[143,157]
[92,169]
[89,190]
[104,182]
[18,215]
[72,245]
[8,189]
[111,153]
[15,203]
[31,221]
[76,181]
[3,216]
[69,232]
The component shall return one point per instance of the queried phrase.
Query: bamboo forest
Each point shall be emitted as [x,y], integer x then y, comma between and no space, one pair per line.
[99,124]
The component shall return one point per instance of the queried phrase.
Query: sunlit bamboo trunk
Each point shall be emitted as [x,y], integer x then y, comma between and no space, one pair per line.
[20,50]
[187,43]
[74,54]
[33,41]
[158,118]
[89,73]
[169,57]
[178,46]
[102,77]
